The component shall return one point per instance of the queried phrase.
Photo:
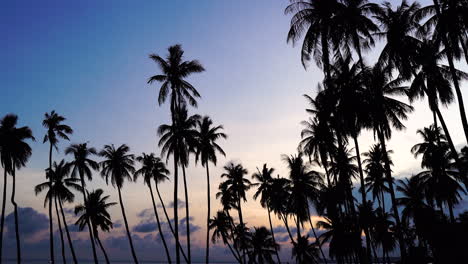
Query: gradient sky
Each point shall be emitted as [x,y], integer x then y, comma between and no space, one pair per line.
[88,60]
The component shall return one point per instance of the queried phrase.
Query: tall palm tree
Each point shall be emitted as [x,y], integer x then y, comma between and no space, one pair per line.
[265,178]
[53,122]
[221,225]
[60,191]
[177,140]
[147,170]
[95,211]
[118,167]
[383,233]
[15,153]
[306,252]
[206,152]
[83,165]
[174,71]
[263,246]
[375,169]
[313,20]
[237,185]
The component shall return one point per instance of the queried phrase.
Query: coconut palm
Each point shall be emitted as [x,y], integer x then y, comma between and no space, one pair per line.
[174,71]
[53,122]
[305,252]
[60,191]
[14,154]
[412,199]
[264,178]
[206,152]
[384,236]
[117,167]
[222,229]
[147,170]
[312,19]
[177,140]
[94,211]
[262,246]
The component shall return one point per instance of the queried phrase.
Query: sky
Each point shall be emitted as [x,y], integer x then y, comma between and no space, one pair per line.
[88,60]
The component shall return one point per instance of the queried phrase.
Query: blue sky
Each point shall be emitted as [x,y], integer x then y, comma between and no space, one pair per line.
[88,60]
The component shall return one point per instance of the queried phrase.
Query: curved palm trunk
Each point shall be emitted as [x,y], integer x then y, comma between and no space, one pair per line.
[68,233]
[168,220]
[62,241]
[234,253]
[159,224]
[207,251]
[51,227]
[449,51]
[15,206]
[91,237]
[187,215]
[2,221]
[363,194]
[241,220]
[176,214]
[285,220]
[273,235]
[96,235]
[126,227]
[315,236]
[231,221]
[396,214]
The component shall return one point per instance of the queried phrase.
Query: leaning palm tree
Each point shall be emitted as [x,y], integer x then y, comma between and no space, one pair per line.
[174,71]
[94,211]
[53,122]
[177,140]
[262,246]
[147,170]
[118,167]
[83,166]
[313,20]
[222,229]
[206,149]
[264,178]
[14,154]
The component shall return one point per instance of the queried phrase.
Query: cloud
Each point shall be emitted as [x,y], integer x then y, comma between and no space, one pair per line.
[180,204]
[145,227]
[30,222]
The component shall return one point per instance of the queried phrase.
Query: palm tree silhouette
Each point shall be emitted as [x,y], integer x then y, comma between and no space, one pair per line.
[177,140]
[263,246]
[221,224]
[375,169]
[118,167]
[305,252]
[264,178]
[206,152]
[53,122]
[147,171]
[383,233]
[15,153]
[60,192]
[94,211]
[83,166]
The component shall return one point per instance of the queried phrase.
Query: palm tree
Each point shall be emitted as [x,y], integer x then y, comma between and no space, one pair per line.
[206,151]
[83,165]
[375,169]
[313,20]
[263,246]
[147,170]
[60,192]
[118,167]
[15,153]
[222,228]
[95,211]
[177,140]
[237,185]
[264,178]
[306,252]
[174,71]
[53,122]
[383,233]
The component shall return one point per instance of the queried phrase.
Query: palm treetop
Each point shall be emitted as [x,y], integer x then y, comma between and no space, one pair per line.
[13,148]
[96,210]
[118,164]
[152,169]
[235,181]
[55,128]
[207,136]
[81,163]
[264,178]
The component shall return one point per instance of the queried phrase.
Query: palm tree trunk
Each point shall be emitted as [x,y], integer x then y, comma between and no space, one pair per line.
[447,135]
[91,237]
[208,214]
[15,206]
[51,227]
[450,207]
[62,241]
[315,236]
[187,215]
[3,209]
[159,224]
[68,233]
[126,227]
[168,220]
[273,234]
[456,83]
[234,253]
[96,235]
[176,214]
[241,220]
[325,55]
[285,220]
[383,201]
[231,221]
[396,214]
[465,50]
[363,194]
